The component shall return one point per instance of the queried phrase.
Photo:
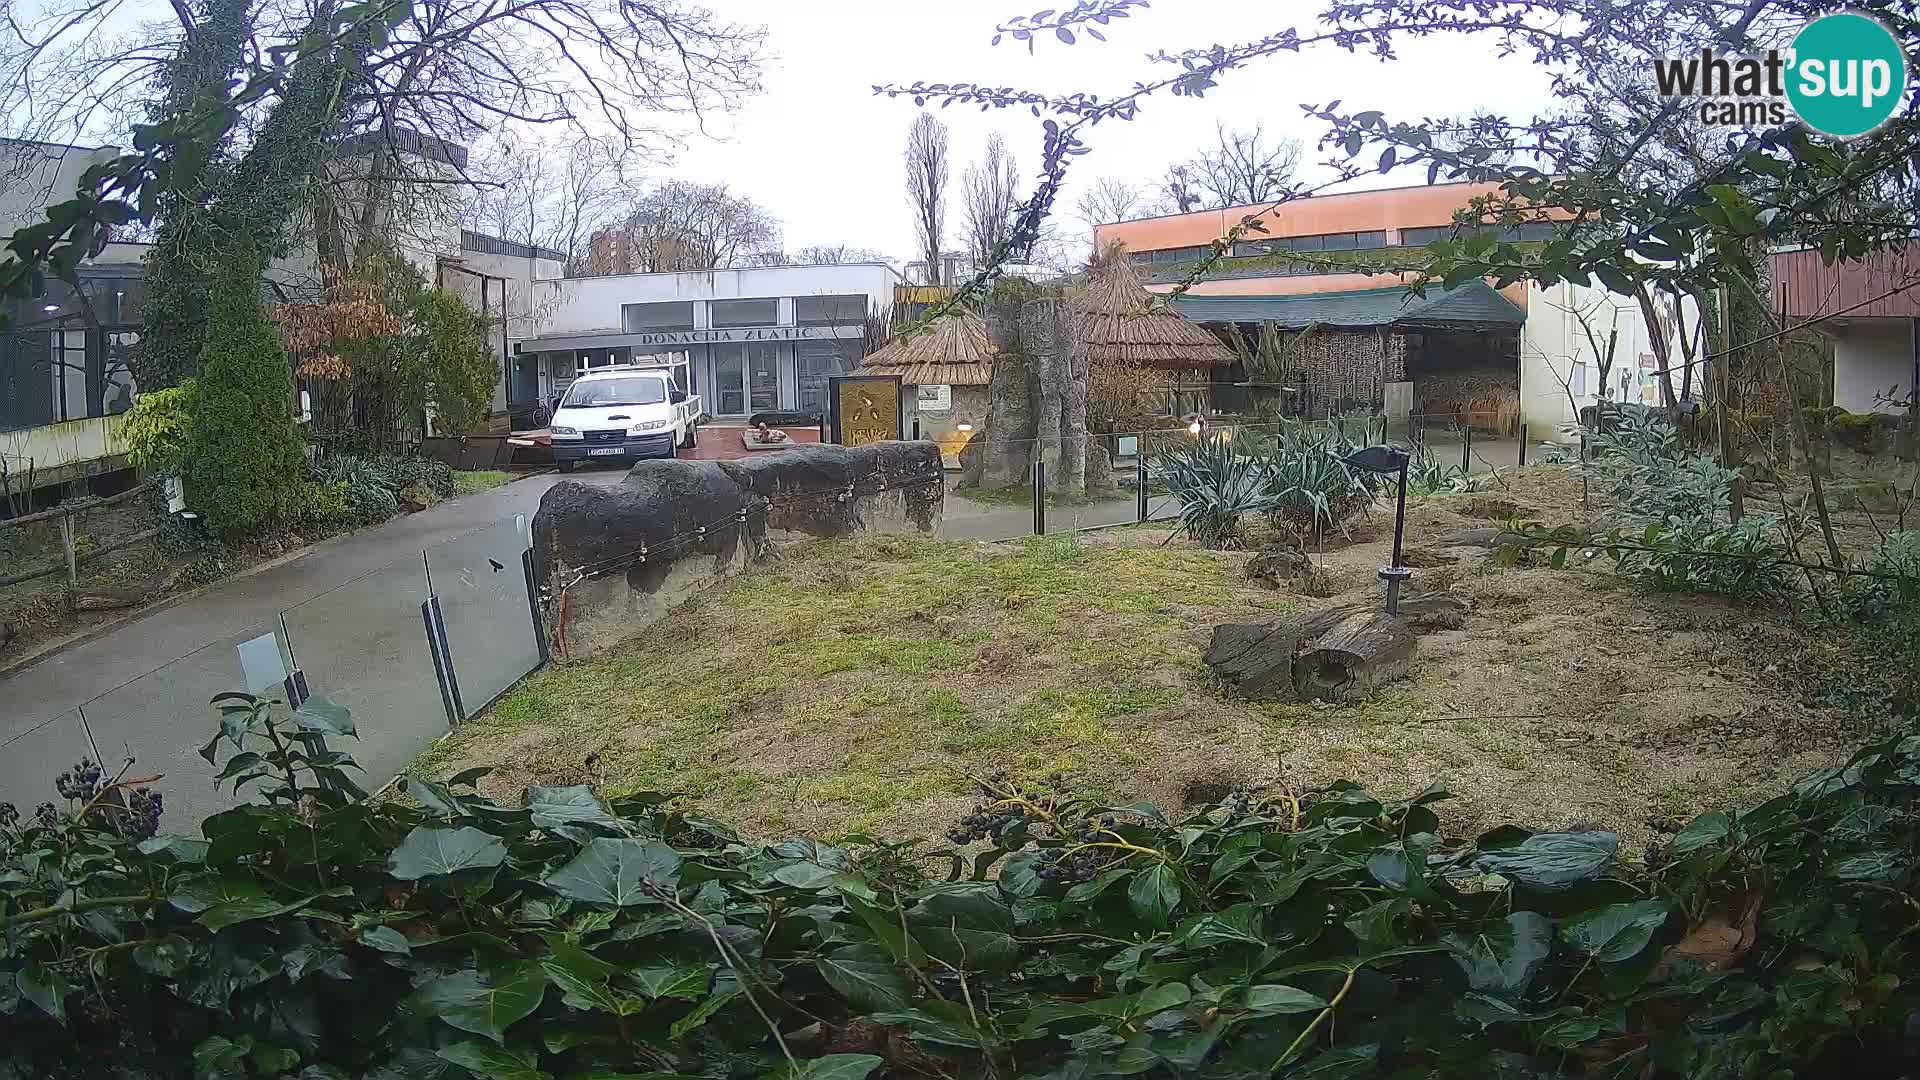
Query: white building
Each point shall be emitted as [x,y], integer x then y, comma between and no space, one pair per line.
[1566,336]
[758,339]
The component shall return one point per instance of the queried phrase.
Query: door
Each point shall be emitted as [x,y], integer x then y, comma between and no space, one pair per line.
[729,376]
[763,368]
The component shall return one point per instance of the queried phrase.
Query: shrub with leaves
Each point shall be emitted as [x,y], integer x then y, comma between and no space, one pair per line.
[1312,487]
[1281,933]
[1297,477]
[158,426]
[1652,476]
[244,452]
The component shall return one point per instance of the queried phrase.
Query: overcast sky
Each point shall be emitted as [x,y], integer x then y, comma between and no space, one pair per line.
[823,152]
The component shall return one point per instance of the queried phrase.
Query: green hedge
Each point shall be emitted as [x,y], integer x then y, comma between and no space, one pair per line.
[244,453]
[1323,934]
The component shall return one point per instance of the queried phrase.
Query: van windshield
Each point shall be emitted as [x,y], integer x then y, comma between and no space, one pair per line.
[638,390]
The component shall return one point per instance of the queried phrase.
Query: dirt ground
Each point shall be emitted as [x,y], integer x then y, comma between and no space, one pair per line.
[856,686]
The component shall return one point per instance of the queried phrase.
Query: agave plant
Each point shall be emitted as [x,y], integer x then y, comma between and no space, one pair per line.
[1216,479]
[1311,487]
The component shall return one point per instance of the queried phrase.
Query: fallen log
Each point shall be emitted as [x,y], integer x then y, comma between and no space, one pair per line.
[1420,610]
[1354,655]
[1255,659]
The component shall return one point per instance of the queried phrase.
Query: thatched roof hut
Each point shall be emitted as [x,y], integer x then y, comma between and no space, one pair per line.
[953,351]
[1119,323]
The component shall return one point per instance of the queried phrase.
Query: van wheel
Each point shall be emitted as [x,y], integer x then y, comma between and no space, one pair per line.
[567,466]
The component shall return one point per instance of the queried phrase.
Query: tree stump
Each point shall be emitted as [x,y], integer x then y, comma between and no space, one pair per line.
[1354,655]
[1255,659]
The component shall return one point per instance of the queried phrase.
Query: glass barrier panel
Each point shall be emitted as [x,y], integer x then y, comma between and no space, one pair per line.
[482,587]
[364,645]
[163,718]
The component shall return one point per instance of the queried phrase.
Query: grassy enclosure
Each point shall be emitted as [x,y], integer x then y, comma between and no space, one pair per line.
[855,686]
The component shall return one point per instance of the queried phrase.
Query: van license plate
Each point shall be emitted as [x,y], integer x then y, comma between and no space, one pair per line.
[607,451]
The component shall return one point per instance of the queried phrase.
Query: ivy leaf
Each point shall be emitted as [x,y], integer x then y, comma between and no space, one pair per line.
[45,988]
[432,852]
[1274,999]
[1153,895]
[387,940]
[1550,862]
[831,1067]
[802,875]
[688,981]
[867,983]
[493,1062]
[1869,866]
[555,807]
[1616,932]
[700,1014]
[324,717]
[622,873]
[485,1004]
[201,894]
[1502,958]
[1700,832]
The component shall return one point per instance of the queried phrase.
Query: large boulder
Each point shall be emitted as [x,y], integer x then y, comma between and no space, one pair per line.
[616,559]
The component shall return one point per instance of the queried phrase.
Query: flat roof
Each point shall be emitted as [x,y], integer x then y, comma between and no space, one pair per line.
[1329,195]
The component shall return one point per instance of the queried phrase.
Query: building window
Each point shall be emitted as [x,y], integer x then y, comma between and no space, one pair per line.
[1375,239]
[814,363]
[1340,241]
[722,314]
[1174,255]
[656,318]
[829,310]
[1425,234]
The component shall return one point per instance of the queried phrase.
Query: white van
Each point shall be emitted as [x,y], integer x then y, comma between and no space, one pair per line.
[621,414]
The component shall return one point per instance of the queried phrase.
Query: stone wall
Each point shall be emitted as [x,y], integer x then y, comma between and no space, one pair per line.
[613,561]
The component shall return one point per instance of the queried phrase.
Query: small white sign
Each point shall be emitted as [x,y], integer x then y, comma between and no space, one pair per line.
[937,397]
[261,664]
[1126,446]
[176,495]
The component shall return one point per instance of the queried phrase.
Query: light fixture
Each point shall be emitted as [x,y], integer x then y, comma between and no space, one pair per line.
[1389,460]
[965,427]
[1193,428]
[49,308]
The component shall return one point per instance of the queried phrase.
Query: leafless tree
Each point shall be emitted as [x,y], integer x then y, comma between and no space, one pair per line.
[1180,189]
[1112,199]
[683,225]
[1242,167]
[927,168]
[548,195]
[835,255]
[989,192]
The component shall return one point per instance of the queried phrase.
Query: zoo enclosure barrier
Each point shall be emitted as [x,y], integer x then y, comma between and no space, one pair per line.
[413,648]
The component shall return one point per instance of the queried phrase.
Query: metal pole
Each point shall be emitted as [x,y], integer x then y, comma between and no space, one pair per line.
[1140,481]
[916,427]
[1396,573]
[1523,446]
[1466,448]
[1039,497]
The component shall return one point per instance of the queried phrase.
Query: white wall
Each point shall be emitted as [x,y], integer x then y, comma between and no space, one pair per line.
[34,176]
[592,304]
[1870,356]
[1555,351]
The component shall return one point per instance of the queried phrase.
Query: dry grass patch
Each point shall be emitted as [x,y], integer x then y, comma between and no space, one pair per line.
[855,686]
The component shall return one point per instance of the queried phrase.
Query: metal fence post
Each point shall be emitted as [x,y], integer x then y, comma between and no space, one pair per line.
[436,625]
[1523,446]
[1466,448]
[1139,482]
[1039,496]
[533,602]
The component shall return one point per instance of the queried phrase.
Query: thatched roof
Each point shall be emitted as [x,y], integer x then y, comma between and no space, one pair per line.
[954,351]
[1118,322]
